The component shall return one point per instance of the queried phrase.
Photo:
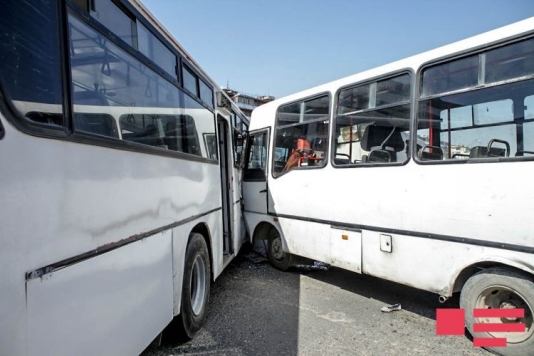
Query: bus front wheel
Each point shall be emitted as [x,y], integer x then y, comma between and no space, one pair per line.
[498,288]
[277,256]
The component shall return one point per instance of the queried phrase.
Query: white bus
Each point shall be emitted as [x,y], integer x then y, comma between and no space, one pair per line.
[418,172]
[120,185]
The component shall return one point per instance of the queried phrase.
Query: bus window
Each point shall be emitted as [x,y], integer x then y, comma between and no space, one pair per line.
[206,94]
[30,68]
[172,132]
[100,124]
[238,128]
[301,135]
[107,79]
[190,81]
[470,130]
[529,107]
[528,128]
[509,62]
[456,75]
[151,47]
[372,125]
[466,125]
[238,146]
[115,19]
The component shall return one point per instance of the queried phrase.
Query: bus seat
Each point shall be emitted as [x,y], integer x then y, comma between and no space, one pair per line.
[490,151]
[482,152]
[345,158]
[383,142]
[379,155]
[431,156]
[382,137]
[434,153]
[341,161]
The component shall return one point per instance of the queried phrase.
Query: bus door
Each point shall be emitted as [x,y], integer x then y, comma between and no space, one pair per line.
[255,174]
[226,184]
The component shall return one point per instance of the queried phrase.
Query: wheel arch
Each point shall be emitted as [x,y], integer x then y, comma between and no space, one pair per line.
[203,229]
[461,276]
[262,229]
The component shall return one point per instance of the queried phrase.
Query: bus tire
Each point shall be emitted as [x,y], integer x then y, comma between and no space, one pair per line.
[501,288]
[277,256]
[195,288]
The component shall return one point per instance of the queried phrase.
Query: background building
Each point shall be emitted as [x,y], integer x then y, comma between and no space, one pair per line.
[246,102]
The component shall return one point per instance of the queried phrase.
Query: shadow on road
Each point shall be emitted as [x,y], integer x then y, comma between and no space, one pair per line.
[247,316]
[411,299]
[255,309]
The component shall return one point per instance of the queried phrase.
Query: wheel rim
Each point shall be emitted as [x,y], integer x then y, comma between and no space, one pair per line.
[500,297]
[198,285]
[276,248]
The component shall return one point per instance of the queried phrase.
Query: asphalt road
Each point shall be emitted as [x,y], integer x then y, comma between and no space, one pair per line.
[257,310]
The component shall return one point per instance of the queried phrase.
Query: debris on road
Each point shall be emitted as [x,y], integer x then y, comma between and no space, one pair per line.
[255,258]
[391,308]
[317,266]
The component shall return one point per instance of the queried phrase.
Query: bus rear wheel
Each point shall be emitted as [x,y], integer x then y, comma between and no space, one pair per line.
[195,291]
[277,256]
[498,288]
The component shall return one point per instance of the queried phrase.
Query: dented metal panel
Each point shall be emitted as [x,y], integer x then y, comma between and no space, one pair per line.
[95,303]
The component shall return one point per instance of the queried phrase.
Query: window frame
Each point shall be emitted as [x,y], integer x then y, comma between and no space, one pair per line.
[327,94]
[411,136]
[185,66]
[92,22]
[263,131]
[165,45]
[419,98]
[66,131]
[37,129]
[235,130]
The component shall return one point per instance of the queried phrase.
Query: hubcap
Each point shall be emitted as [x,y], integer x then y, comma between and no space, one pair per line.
[198,285]
[276,248]
[500,297]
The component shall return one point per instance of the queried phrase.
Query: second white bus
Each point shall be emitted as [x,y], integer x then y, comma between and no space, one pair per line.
[419,172]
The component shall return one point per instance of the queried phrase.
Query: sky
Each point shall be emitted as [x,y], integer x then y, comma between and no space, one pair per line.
[280,47]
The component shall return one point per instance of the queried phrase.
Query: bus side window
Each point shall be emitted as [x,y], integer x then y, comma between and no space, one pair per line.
[373,122]
[301,134]
[485,115]
[31,62]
